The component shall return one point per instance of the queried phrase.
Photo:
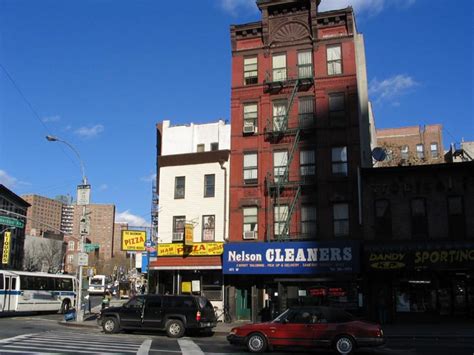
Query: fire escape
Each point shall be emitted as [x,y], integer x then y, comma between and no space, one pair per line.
[282,187]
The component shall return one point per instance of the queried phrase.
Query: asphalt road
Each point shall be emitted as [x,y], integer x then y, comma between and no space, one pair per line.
[43,334]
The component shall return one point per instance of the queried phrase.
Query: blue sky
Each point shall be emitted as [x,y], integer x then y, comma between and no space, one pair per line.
[101,73]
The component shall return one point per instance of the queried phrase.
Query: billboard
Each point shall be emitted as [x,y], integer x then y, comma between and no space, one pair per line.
[133,240]
[291,257]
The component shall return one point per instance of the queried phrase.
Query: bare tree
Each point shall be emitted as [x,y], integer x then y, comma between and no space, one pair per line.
[397,157]
[43,254]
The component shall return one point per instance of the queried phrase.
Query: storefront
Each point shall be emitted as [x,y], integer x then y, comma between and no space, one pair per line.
[263,279]
[194,269]
[420,281]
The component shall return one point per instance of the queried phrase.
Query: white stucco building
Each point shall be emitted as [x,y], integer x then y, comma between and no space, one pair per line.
[193,185]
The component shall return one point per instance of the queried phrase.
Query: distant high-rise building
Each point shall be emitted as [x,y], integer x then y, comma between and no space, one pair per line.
[67,219]
[44,215]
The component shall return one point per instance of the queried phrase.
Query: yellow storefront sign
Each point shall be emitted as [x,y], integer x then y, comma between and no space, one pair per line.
[6,248]
[188,234]
[197,249]
[133,240]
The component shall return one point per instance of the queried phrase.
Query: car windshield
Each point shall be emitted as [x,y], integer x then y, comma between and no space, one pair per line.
[96,282]
[204,303]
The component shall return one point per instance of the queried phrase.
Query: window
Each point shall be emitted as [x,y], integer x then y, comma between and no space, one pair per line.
[280,161]
[250,117]
[383,218]
[337,111]
[250,220]
[308,221]
[2,287]
[280,214]
[434,150]
[214,146]
[420,154]
[200,148]
[71,246]
[404,152]
[341,219]
[208,228]
[334,60]
[307,163]
[456,218]
[178,228]
[306,111]
[305,64]
[179,187]
[339,161]
[70,258]
[279,67]
[209,185]
[419,225]
[250,71]
[279,114]
[250,168]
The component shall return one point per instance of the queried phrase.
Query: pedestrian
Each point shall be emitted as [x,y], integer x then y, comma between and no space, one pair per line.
[382,307]
[106,299]
[143,289]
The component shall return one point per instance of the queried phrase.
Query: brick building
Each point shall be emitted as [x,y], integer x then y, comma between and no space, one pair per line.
[412,145]
[419,248]
[44,215]
[300,131]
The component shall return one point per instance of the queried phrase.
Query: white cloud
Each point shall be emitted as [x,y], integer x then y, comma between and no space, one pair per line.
[7,180]
[372,7]
[234,6]
[103,187]
[131,219]
[90,132]
[148,178]
[56,118]
[391,88]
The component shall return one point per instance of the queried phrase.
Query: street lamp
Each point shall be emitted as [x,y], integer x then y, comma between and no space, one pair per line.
[82,231]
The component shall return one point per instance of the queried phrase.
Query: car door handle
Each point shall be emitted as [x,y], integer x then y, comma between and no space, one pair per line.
[273,329]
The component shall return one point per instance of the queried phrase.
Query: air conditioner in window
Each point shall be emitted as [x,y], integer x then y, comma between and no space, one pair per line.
[250,235]
[178,237]
[249,129]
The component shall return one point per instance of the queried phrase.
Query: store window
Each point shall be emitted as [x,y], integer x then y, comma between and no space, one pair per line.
[208,228]
[417,295]
[280,162]
[250,219]
[250,168]
[419,220]
[279,67]
[456,217]
[250,71]
[280,215]
[383,218]
[341,219]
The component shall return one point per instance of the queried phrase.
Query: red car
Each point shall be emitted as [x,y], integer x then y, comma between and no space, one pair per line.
[309,327]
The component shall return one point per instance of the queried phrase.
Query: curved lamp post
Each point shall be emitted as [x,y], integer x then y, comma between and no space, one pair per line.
[79,313]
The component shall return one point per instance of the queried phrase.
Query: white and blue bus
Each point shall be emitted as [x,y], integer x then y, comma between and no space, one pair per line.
[22,291]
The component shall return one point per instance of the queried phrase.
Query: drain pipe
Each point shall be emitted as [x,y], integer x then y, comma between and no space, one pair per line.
[225,301]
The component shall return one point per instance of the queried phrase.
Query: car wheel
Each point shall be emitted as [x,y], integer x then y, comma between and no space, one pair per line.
[256,343]
[65,306]
[344,345]
[110,325]
[175,328]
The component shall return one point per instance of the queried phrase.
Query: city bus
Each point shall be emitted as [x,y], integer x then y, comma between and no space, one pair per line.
[22,291]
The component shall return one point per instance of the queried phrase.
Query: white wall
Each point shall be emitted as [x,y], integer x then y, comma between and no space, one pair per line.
[184,139]
[194,205]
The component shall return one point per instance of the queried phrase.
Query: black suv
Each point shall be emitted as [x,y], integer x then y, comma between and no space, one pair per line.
[174,314]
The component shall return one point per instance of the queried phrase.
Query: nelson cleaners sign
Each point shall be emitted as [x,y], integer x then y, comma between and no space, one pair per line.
[290,257]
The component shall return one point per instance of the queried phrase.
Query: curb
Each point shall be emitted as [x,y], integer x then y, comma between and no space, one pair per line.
[75,324]
[429,337]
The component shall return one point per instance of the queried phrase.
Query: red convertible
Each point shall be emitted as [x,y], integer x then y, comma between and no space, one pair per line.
[309,327]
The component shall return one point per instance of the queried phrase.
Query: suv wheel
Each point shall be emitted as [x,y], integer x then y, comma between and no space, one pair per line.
[110,325]
[256,343]
[175,328]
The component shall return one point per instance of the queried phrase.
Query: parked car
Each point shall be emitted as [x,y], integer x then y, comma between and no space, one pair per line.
[309,327]
[174,314]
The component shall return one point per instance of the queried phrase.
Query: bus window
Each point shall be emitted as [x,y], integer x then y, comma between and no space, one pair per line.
[63,284]
[14,283]
[1,282]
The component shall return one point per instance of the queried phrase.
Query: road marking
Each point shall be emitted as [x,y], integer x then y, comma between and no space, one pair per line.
[18,337]
[189,347]
[144,347]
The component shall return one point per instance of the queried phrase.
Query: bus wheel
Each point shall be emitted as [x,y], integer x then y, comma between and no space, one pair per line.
[65,306]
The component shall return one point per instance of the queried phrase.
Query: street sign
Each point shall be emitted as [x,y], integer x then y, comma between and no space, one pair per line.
[83,194]
[13,222]
[84,226]
[6,248]
[82,259]
[91,247]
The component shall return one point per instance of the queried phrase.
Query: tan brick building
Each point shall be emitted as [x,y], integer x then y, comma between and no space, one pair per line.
[45,210]
[412,145]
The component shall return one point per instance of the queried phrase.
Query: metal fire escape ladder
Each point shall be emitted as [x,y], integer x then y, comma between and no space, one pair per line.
[291,208]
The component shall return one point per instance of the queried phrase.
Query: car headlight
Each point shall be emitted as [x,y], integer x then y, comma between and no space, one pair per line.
[233,331]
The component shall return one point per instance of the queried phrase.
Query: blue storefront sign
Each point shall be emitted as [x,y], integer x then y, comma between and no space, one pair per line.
[291,257]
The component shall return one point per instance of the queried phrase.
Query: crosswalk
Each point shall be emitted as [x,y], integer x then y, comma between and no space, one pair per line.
[52,342]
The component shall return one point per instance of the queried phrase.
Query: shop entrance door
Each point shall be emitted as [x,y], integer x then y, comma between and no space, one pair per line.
[242,304]
[459,297]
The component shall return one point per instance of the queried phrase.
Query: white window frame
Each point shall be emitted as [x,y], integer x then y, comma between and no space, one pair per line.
[305,64]
[420,151]
[251,114]
[250,219]
[71,246]
[334,59]
[279,67]
[279,114]
[250,168]
[434,152]
[250,70]
[280,161]
[280,214]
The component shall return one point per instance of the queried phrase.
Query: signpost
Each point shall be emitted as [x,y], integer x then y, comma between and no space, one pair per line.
[12,222]
[91,247]
[82,259]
